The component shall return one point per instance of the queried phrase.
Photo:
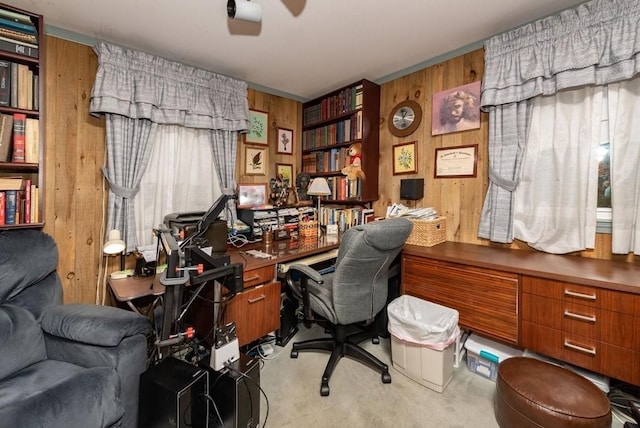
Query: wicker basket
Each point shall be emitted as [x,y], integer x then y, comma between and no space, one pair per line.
[308,229]
[427,233]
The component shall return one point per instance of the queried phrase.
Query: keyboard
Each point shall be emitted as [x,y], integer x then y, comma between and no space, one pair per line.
[309,261]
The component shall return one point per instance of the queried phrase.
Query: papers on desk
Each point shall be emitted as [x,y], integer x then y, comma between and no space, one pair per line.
[399,210]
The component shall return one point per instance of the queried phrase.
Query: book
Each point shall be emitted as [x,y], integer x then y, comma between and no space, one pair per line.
[19,124]
[26,218]
[17,26]
[10,183]
[34,203]
[18,36]
[17,47]
[5,83]
[32,141]
[24,82]
[13,99]
[2,207]
[15,16]
[6,132]
[11,199]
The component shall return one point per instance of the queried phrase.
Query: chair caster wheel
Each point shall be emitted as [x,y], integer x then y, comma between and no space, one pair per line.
[375,340]
[386,377]
[324,390]
[294,353]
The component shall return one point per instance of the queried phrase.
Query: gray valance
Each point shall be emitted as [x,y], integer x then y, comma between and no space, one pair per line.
[594,43]
[143,86]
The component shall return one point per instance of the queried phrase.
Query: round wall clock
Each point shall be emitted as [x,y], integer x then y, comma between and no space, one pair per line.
[405,118]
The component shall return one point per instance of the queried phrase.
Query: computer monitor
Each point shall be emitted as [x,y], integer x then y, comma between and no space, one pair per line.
[208,219]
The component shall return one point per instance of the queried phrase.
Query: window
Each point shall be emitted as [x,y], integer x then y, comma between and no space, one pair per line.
[604,214]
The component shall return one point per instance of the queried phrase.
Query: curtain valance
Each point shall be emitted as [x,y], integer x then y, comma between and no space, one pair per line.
[595,43]
[143,86]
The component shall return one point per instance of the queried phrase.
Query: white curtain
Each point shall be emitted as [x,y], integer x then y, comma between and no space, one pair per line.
[180,177]
[624,123]
[555,203]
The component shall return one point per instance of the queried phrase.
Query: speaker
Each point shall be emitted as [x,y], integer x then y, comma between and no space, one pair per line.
[174,393]
[412,189]
[236,394]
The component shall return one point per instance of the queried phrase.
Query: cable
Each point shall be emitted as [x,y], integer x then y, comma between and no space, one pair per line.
[264,394]
[213,403]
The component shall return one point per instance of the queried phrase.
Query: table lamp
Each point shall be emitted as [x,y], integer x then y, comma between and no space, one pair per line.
[115,245]
[319,187]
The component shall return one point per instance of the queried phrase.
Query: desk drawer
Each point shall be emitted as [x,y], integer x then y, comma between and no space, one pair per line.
[256,312]
[259,276]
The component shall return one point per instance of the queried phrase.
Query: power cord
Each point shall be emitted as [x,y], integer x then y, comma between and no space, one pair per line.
[264,394]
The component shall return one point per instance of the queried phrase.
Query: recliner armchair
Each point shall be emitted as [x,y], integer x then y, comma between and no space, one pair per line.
[347,300]
[73,365]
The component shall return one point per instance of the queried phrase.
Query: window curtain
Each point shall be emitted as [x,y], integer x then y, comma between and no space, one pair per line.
[624,134]
[224,147]
[145,88]
[595,43]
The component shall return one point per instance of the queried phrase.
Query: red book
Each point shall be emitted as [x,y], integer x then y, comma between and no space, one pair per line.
[2,207]
[19,127]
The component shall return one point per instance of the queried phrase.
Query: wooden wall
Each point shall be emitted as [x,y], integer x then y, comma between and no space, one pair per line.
[74,154]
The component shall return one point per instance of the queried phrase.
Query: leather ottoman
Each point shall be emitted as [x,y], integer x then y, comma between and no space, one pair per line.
[534,393]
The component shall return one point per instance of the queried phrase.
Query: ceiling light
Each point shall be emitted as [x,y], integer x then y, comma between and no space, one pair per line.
[244,10]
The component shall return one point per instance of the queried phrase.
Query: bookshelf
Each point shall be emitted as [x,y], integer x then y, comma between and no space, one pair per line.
[21,118]
[330,125]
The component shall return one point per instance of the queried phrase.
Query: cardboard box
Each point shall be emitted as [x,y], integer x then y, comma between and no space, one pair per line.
[428,367]
[484,355]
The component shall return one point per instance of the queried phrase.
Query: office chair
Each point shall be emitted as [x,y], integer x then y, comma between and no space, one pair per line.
[346,301]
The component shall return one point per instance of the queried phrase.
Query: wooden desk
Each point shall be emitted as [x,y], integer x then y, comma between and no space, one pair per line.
[135,287]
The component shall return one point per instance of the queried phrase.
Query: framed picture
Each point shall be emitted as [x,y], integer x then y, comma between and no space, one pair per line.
[405,158]
[286,170]
[251,195]
[255,160]
[258,128]
[456,109]
[452,162]
[285,141]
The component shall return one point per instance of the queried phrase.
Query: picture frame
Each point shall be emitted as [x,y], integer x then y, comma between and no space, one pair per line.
[258,128]
[405,158]
[255,160]
[456,109]
[286,169]
[456,162]
[251,195]
[284,141]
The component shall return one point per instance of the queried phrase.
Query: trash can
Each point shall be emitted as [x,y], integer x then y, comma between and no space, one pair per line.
[422,340]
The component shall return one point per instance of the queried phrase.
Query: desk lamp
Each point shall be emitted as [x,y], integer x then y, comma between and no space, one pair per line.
[319,187]
[115,245]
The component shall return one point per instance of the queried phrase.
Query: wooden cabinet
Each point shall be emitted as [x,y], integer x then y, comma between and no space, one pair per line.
[590,327]
[331,124]
[21,101]
[486,299]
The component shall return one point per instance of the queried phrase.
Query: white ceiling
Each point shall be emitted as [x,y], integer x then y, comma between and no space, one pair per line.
[302,48]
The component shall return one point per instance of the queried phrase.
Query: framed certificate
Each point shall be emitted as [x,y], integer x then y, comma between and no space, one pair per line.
[456,162]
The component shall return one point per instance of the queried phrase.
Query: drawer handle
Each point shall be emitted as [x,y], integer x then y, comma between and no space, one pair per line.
[257,299]
[570,345]
[252,278]
[588,318]
[580,295]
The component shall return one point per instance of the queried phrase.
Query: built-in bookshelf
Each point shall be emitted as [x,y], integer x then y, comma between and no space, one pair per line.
[330,125]
[21,119]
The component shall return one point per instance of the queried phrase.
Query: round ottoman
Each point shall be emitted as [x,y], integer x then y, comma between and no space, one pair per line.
[534,393]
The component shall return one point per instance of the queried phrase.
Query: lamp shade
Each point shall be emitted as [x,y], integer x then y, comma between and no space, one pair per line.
[114,244]
[319,187]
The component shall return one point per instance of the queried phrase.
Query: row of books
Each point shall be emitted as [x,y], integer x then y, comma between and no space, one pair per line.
[343,189]
[345,217]
[19,138]
[328,161]
[336,133]
[348,99]
[19,206]
[18,34]
[19,86]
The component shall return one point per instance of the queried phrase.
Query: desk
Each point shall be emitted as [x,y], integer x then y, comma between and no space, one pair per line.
[135,287]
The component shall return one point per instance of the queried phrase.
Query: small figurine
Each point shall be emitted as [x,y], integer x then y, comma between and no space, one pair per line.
[354,170]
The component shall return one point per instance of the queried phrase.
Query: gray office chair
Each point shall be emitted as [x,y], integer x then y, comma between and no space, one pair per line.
[347,301]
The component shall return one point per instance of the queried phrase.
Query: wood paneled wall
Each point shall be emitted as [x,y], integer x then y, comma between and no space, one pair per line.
[74,155]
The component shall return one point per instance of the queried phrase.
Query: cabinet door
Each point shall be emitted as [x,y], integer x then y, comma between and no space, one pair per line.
[256,312]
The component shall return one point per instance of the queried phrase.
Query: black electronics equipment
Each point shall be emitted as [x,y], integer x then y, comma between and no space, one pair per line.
[412,189]
[236,393]
[174,393]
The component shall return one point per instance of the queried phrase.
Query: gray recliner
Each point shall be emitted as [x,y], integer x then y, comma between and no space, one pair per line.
[68,366]
[347,300]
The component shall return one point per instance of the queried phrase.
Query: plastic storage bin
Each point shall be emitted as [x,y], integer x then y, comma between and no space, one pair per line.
[422,340]
[484,355]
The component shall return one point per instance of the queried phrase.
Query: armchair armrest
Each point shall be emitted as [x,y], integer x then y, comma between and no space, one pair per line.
[93,324]
[305,273]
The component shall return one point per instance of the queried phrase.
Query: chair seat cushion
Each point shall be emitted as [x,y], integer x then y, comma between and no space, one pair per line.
[58,394]
[21,339]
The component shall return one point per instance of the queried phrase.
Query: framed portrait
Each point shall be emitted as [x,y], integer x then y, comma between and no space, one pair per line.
[252,194]
[405,158]
[456,109]
[285,141]
[286,170]
[456,162]
[258,128]
[255,160]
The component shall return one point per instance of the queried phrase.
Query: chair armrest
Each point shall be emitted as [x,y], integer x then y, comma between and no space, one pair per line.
[307,271]
[301,286]
[93,324]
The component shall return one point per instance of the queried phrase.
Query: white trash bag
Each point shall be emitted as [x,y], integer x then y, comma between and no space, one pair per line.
[425,323]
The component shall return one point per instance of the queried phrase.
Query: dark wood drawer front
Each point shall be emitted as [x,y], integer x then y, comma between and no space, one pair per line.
[259,276]
[255,311]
